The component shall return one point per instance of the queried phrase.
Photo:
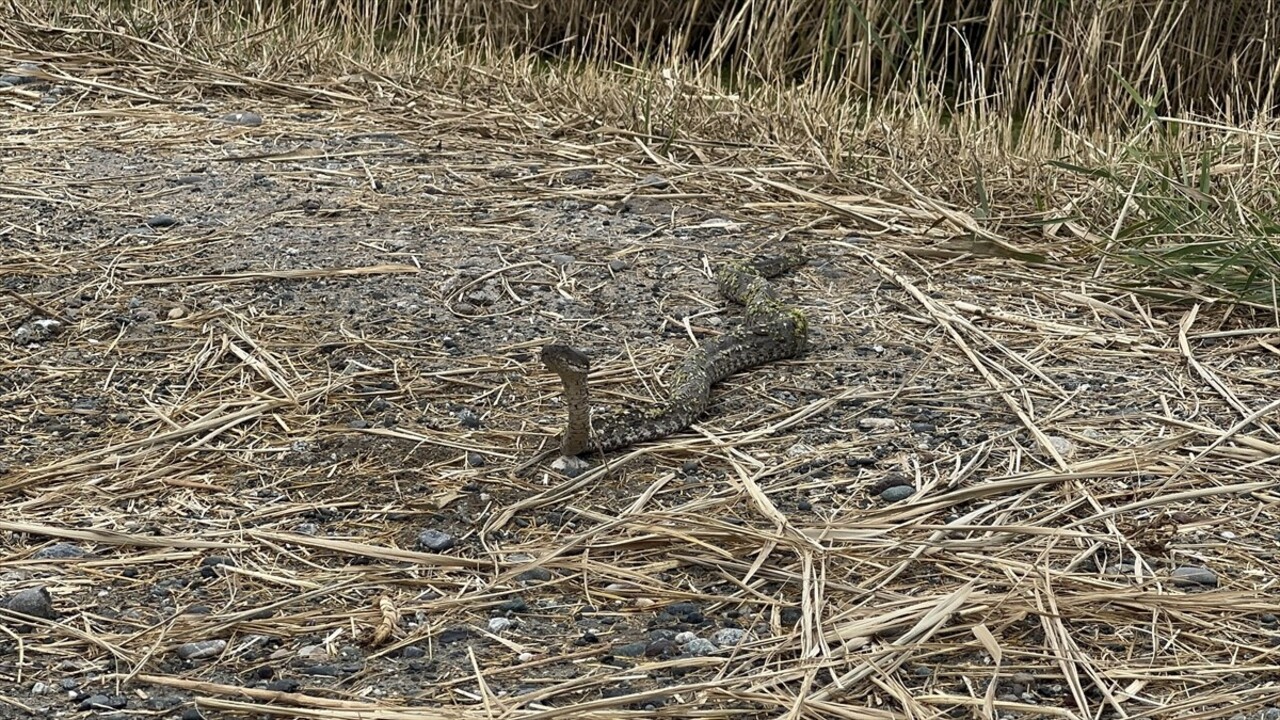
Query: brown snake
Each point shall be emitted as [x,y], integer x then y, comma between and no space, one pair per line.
[772,330]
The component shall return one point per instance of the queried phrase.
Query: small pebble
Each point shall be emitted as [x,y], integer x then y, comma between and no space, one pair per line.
[475,459]
[562,261]
[618,265]
[469,418]
[728,637]
[699,647]
[634,649]
[100,701]
[570,466]
[209,566]
[656,182]
[537,574]
[1192,575]
[284,685]
[36,331]
[33,602]
[435,540]
[453,635]
[321,670]
[59,551]
[1063,446]
[514,605]
[661,648]
[201,649]
[248,119]
[897,493]
[498,624]
[161,220]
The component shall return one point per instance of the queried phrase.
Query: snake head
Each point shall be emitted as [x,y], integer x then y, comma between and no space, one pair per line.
[562,359]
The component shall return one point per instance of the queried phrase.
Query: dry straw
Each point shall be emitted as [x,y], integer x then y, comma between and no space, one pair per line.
[1069,444]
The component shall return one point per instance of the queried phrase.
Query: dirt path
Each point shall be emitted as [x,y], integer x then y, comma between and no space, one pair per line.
[265,386]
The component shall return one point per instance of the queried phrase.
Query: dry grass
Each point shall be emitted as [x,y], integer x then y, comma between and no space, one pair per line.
[1116,432]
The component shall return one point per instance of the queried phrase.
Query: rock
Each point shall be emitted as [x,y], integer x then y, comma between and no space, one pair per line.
[537,574]
[284,685]
[897,493]
[633,649]
[656,182]
[1194,575]
[661,648]
[570,466]
[245,118]
[24,78]
[59,551]
[102,701]
[469,418]
[699,647]
[579,176]
[160,221]
[685,612]
[322,670]
[1063,446]
[209,566]
[33,602]
[36,330]
[453,635]
[728,637]
[201,649]
[515,604]
[435,540]
[498,624]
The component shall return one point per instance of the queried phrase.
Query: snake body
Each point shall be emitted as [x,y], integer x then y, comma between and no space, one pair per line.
[772,330]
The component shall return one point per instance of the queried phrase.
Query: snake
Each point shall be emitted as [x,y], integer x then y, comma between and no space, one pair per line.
[771,330]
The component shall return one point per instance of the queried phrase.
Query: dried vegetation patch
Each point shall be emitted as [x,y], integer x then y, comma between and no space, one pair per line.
[269,375]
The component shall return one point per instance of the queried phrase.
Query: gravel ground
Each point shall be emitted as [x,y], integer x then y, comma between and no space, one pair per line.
[270,373]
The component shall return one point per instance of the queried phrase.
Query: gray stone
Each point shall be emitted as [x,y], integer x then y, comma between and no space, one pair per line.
[728,637]
[59,551]
[699,647]
[1194,575]
[897,493]
[161,220]
[201,649]
[248,119]
[656,182]
[634,649]
[33,602]
[537,574]
[435,540]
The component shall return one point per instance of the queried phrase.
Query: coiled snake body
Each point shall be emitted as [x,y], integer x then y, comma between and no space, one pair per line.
[772,330]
